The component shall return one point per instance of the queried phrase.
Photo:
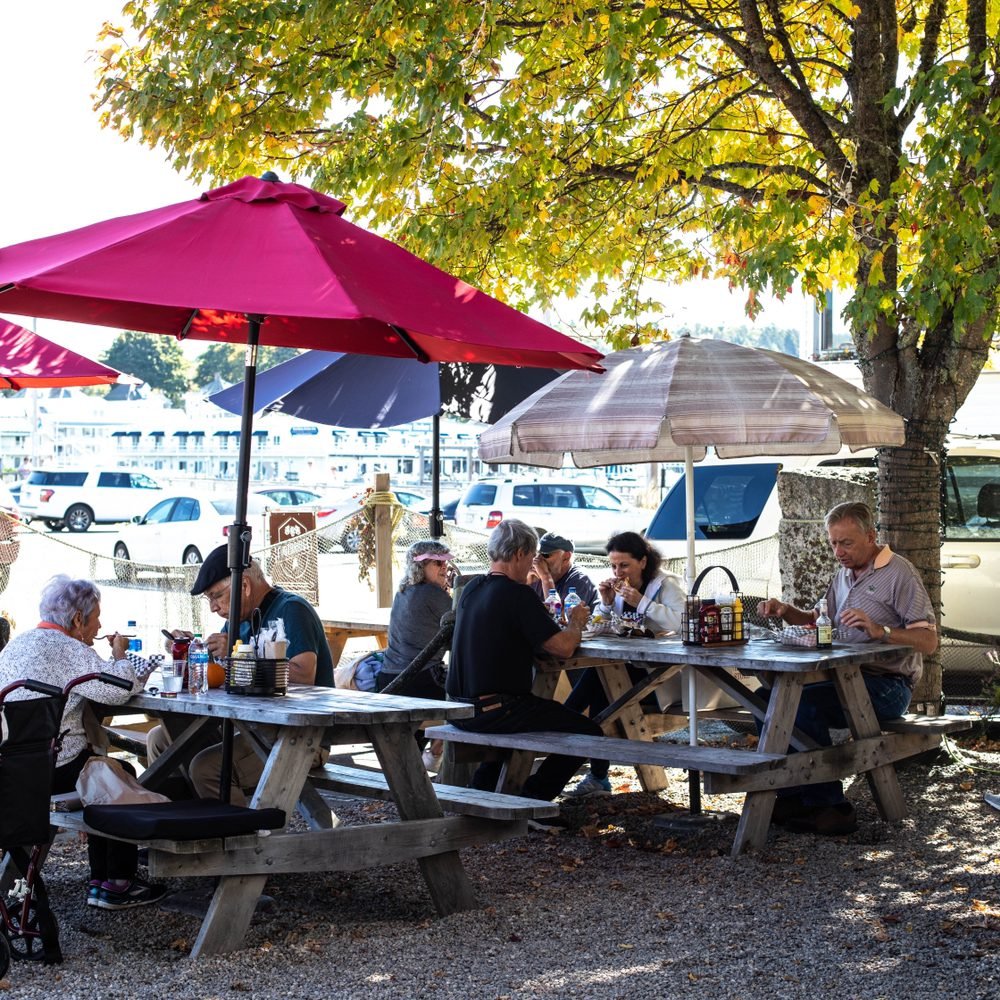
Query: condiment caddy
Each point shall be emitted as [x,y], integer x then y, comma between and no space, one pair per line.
[714,621]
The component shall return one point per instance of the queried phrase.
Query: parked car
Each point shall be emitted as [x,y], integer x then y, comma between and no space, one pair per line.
[340,507]
[179,531]
[586,512]
[736,502]
[78,498]
[289,497]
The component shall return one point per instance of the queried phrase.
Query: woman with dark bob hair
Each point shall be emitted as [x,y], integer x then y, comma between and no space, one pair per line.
[636,586]
[58,649]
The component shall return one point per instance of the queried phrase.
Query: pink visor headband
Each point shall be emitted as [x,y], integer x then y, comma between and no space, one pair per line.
[435,556]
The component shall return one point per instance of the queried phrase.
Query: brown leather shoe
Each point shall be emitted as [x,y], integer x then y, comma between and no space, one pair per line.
[826,821]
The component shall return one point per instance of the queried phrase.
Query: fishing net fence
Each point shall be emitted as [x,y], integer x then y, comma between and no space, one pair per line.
[333,566]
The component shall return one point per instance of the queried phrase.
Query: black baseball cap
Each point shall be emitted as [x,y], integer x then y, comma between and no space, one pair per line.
[550,542]
[213,569]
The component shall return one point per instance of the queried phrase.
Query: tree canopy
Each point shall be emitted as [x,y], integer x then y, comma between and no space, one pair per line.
[228,360]
[158,361]
[560,148]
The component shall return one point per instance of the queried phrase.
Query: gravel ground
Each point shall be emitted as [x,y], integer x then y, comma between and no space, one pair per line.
[613,908]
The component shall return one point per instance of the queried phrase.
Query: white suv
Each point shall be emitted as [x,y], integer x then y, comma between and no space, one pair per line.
[78,498]
[586,512]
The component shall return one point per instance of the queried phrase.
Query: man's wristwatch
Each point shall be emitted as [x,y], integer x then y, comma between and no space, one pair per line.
[887,631]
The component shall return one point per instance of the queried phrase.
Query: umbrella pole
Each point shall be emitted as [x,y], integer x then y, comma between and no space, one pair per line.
[694,777]
[437,520]
[239,533]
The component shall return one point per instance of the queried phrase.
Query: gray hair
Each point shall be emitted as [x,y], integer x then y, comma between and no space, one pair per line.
[416,572]
[254,573]
[859,513]
[63,597]
[510,538]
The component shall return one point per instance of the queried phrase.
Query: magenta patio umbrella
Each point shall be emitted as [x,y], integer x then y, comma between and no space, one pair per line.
[28,361]
[262,262]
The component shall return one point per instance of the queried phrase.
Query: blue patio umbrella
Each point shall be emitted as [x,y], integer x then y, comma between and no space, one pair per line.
[355,390]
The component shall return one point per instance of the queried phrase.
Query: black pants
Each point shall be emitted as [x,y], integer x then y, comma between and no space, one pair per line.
[422,685]
[588,695]
[109,859]
[524,715]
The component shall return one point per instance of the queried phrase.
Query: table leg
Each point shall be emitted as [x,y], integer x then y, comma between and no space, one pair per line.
[235,899]
[616,683]
[414,796]
[779,721]
[861,719]
[336,639]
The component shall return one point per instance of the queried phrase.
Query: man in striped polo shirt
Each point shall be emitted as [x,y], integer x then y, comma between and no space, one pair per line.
[875,596]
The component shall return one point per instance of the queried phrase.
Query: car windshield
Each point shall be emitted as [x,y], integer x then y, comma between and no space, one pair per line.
[480,495]
[728,501]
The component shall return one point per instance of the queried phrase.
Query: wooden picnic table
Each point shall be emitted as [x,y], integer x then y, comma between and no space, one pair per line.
[306,719]
[374,623]
[770,765]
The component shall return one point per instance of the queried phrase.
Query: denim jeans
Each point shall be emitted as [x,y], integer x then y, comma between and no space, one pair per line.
[524,715]
[820,711]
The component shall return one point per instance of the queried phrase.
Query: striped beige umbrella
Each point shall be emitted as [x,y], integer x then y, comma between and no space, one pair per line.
[669,402]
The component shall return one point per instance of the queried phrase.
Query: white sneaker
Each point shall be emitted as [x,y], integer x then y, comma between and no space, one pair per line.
[589,786]
[431,760]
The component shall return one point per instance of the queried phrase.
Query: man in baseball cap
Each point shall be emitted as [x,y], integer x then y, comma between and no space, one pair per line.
[553,567]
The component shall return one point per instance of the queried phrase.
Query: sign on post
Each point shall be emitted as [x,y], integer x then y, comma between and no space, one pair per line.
[294,561]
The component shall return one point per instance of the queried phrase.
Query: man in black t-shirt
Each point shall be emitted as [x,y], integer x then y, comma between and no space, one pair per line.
[500,627]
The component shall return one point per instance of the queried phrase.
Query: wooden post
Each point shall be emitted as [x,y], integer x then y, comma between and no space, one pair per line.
[383,544]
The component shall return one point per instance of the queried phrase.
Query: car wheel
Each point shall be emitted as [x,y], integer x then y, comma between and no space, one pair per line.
[124,570]
[55,525]
[350,540]
[79,517]
[192,557]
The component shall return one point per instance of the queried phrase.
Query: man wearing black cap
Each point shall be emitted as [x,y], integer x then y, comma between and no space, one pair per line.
[309,660]
[553,567]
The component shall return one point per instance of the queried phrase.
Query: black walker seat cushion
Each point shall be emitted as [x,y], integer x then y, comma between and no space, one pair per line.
[194,819]
[27,760]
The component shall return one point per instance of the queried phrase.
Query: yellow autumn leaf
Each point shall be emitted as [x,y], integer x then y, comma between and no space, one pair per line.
[817,204]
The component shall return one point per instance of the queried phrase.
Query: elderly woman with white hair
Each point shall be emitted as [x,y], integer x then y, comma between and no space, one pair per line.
[59,649]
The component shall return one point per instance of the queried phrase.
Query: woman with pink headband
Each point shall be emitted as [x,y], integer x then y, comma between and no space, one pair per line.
[422,599]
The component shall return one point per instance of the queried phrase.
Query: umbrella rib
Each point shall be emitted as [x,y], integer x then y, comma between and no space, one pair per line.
[418,352]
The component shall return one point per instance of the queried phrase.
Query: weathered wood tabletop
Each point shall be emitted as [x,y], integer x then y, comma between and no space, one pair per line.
[305,720]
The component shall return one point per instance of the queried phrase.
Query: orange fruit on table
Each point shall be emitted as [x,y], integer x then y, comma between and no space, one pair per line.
[216,674]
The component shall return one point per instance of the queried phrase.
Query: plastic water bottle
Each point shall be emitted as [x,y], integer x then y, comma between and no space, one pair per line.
[554,606]
[824,628]
[135,643]
[572,600]
[197,665]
